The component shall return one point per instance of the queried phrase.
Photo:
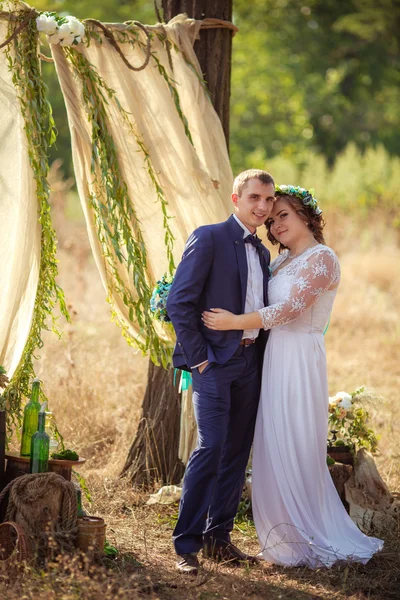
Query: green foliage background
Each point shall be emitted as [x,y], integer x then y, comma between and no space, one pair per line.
[308,76]
[314,75]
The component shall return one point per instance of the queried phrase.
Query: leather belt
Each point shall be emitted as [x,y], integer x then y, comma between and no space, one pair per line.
[246,341]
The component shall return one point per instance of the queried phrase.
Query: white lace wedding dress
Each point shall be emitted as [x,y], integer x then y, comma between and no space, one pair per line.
[298,514]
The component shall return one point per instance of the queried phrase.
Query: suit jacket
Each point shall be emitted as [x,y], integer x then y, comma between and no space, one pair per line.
[212,274]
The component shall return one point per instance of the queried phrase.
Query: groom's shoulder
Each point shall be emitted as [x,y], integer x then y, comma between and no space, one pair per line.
[211,230]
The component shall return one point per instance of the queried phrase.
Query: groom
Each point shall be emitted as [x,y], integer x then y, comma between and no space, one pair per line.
[223,265]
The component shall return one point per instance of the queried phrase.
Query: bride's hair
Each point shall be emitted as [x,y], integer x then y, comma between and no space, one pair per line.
[315,222]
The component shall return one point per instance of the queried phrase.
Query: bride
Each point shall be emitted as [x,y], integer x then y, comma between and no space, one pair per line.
[298,514]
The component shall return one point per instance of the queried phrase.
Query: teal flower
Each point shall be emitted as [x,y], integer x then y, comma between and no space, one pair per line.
[302,194]
[158,301]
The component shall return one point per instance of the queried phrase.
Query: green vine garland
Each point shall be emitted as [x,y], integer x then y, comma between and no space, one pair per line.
[115,214]
[40,131]
[168,44]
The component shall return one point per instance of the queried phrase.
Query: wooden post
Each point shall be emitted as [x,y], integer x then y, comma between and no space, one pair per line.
[153,455]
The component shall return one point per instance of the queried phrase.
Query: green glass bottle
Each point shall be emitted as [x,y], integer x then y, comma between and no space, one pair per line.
[30,422]
[40,447]
[81,512]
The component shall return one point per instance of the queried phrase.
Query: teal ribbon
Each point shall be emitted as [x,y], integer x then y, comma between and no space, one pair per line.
[186,380]
[327,325]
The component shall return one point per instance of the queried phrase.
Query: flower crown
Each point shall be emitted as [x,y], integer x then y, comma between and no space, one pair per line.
[302,194]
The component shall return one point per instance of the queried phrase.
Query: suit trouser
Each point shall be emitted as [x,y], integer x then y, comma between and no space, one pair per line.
[225,401]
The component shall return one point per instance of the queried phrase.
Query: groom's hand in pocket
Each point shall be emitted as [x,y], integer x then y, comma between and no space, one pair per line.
[202,367]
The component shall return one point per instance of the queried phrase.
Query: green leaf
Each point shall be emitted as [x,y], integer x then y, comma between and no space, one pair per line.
[40,133]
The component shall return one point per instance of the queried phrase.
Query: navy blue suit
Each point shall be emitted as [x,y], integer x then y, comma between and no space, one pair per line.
[213,274]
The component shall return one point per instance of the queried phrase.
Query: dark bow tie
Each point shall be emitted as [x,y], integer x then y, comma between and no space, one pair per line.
[254,241]
[257,243]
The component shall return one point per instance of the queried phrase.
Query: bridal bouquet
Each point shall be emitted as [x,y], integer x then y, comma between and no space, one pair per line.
[158,301]
[66,31]
[348,421]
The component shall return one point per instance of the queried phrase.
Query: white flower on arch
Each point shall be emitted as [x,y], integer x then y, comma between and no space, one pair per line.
[66,31]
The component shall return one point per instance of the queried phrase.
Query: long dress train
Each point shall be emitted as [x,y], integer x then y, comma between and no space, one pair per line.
[299,517]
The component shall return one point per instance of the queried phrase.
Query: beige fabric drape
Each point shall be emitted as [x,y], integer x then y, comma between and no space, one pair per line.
[188,427]
[19,228]
[196,179]
[186,173]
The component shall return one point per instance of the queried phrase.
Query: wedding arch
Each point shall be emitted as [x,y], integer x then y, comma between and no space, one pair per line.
[151,164]
[150,161]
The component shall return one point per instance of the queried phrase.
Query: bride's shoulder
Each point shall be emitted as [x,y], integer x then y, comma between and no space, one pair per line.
[324,251]
[322,259]
[319,250]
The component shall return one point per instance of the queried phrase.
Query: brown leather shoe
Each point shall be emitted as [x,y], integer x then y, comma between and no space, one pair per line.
[188,564]
[223,551]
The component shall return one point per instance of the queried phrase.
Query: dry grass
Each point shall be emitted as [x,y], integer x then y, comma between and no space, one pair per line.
[95,383]
[144,567]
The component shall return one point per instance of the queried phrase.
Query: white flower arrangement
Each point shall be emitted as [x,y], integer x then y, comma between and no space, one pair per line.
[66,31]
[341,400]
[349,421]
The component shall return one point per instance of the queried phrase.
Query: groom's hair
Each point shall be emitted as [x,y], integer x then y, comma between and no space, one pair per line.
[241,180]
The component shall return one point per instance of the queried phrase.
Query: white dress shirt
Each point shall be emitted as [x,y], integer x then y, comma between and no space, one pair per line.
[255,282]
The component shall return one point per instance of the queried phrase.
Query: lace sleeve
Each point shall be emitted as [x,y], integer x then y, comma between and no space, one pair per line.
[318,272]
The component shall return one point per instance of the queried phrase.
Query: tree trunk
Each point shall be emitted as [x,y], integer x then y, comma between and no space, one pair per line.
[213,50]
[154,453]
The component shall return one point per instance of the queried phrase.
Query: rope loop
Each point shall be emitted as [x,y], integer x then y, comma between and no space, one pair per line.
[110,37]
[30,15]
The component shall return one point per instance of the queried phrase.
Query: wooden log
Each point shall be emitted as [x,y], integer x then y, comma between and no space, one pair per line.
[371,504]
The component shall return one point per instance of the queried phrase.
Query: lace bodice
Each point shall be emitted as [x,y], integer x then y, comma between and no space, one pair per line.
[301,294]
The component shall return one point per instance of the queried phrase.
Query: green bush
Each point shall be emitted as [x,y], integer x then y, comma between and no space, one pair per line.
[356,182]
